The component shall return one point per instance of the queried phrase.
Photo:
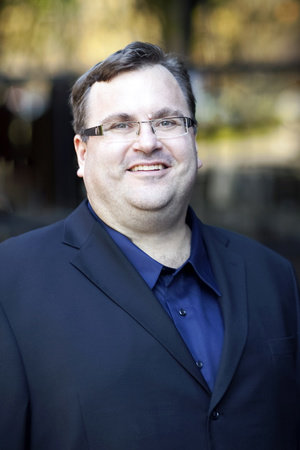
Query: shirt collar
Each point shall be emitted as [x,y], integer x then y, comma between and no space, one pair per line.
[150,269]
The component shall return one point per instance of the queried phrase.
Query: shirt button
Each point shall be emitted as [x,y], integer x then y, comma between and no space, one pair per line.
[215,415]
[182,312]
[199,364]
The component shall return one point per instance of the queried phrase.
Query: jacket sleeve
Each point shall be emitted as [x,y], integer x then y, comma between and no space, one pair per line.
[14,398]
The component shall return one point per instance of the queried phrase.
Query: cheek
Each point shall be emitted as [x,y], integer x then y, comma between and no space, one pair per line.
[107,154]
[101,166]
[187,154]
[95,159]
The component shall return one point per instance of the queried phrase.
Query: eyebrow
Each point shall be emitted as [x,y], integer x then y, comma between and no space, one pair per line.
[124,117]
[167,112]
[118,117]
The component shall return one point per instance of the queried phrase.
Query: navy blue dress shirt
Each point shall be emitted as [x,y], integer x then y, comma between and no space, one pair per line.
[189,295]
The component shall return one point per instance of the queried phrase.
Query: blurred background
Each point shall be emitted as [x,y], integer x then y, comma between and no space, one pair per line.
[244,61]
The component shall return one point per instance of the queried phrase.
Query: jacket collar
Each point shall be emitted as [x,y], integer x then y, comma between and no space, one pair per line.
[101,261]
[150,269]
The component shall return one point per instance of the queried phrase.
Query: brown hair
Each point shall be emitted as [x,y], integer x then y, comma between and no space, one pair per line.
[134,56]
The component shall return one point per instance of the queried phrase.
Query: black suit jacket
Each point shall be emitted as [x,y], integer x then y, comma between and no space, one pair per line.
[89,360]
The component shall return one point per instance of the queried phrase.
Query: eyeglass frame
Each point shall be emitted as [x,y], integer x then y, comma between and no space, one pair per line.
[98,129]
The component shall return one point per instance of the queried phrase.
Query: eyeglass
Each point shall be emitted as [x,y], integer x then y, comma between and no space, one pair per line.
[163,128]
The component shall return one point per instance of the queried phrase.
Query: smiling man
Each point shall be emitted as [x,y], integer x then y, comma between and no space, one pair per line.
[139,174]
[131,325]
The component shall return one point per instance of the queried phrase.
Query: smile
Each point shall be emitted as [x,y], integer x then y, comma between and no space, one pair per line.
[147,168]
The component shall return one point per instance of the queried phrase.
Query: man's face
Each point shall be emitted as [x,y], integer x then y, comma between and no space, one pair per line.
[144,174]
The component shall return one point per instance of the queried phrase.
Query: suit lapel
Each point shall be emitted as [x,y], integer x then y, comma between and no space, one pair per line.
[101,261]
[229,270]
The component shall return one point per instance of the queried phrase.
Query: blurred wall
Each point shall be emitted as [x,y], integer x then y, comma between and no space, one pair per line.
[244,63]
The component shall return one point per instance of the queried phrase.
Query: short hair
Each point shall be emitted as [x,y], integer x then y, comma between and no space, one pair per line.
[133,57]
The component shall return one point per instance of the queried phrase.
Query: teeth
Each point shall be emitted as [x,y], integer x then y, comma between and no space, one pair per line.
[147,168]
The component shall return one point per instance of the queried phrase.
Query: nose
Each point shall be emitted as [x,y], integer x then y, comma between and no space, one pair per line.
[146,140]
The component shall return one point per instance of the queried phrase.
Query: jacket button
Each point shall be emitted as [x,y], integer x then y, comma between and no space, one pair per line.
[215,415]
[182,312]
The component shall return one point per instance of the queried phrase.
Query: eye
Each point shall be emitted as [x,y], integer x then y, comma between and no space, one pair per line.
[118,126]
[121,125]
[167,123]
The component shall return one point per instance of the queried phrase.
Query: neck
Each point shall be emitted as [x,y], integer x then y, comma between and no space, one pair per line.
[163,235]
[171,248]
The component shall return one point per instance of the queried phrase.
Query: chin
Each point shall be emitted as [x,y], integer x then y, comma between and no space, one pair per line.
[150,205]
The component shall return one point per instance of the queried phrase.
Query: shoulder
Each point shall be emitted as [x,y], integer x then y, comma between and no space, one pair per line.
[70,230]
[263,267]
[29,255]
[247,247]
[223,240]
[31,240]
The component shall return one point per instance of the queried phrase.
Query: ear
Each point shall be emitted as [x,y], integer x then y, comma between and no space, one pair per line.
[81,152]
[199,162]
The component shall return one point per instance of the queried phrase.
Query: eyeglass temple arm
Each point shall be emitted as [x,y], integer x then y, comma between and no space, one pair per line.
[94,131]
[190,122]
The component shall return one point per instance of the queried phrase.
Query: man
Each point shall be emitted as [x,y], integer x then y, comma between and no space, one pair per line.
[131,325]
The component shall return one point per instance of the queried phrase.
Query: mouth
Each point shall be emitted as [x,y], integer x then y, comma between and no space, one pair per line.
[147,167]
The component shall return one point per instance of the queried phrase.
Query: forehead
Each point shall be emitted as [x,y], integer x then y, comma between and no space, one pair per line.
[137,93]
